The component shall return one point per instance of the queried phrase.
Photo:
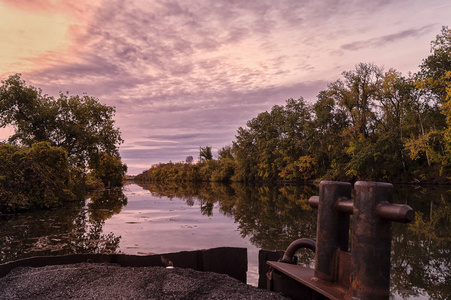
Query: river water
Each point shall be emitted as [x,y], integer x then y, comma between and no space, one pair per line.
[162,218]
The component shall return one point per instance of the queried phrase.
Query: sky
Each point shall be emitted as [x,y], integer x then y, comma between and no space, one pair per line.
[188,73]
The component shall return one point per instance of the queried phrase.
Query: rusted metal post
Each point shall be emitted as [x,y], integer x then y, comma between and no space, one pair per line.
[332,228]
[371,242]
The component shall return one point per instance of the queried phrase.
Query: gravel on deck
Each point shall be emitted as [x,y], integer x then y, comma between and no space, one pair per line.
[111,281]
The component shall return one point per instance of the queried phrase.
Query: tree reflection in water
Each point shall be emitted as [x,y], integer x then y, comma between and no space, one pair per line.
[271,217]
[421,251]
[74,229]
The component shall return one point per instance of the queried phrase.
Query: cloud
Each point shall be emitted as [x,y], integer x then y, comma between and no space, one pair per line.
[134,52]
[181,48]
[382,41]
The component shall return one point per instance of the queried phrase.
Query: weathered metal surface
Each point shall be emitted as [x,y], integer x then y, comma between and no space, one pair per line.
[395,212]
[332,228]
[303,276]
[263,268]
[343,269]
[371,242]
[314,201]
[225,260]
[362,273]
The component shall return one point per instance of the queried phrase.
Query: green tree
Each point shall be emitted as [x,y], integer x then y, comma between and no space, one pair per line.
[85,128]
[82,126]
[432,76]
[32,114]
[398,103]
[189,159]
[329,122]
[226,166]
[34,177]
[381,111]
[434,81]
[272,141]
[205,153]
[109,169]
[356,94]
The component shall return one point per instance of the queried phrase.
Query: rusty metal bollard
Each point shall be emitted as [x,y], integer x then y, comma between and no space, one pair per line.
[332,227]
[364,272]
[371,238]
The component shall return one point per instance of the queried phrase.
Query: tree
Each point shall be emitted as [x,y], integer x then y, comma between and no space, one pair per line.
[226,166]
[82,126]
[434,81]
[432,76]
[33,177]
[32,114]
[225,153]
[85,128]
[357,93]
[329,122]
[189,159]
[108,168]
[272,141]
[205,153]
[396,100]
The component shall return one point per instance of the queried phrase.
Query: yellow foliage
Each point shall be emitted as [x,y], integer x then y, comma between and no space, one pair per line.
[306,165]
[416,146]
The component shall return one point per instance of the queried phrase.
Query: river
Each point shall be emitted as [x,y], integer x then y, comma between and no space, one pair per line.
[161,218]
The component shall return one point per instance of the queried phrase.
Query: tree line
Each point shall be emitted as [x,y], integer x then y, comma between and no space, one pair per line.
[60,147]
[370,124]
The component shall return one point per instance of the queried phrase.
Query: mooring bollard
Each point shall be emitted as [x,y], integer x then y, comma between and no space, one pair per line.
[363,273]
[332,227]
[371,238]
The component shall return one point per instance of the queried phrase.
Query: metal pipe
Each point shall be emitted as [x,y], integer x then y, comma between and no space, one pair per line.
[288,257]
[345,206]
[391,212]
[314,201]
[395,212]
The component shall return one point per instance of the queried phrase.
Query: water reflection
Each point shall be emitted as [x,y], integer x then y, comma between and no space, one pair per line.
[271,217]
[76,228]
[421,255]
[103,205]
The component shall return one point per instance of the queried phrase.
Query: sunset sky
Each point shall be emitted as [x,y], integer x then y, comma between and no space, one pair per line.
[184,74]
